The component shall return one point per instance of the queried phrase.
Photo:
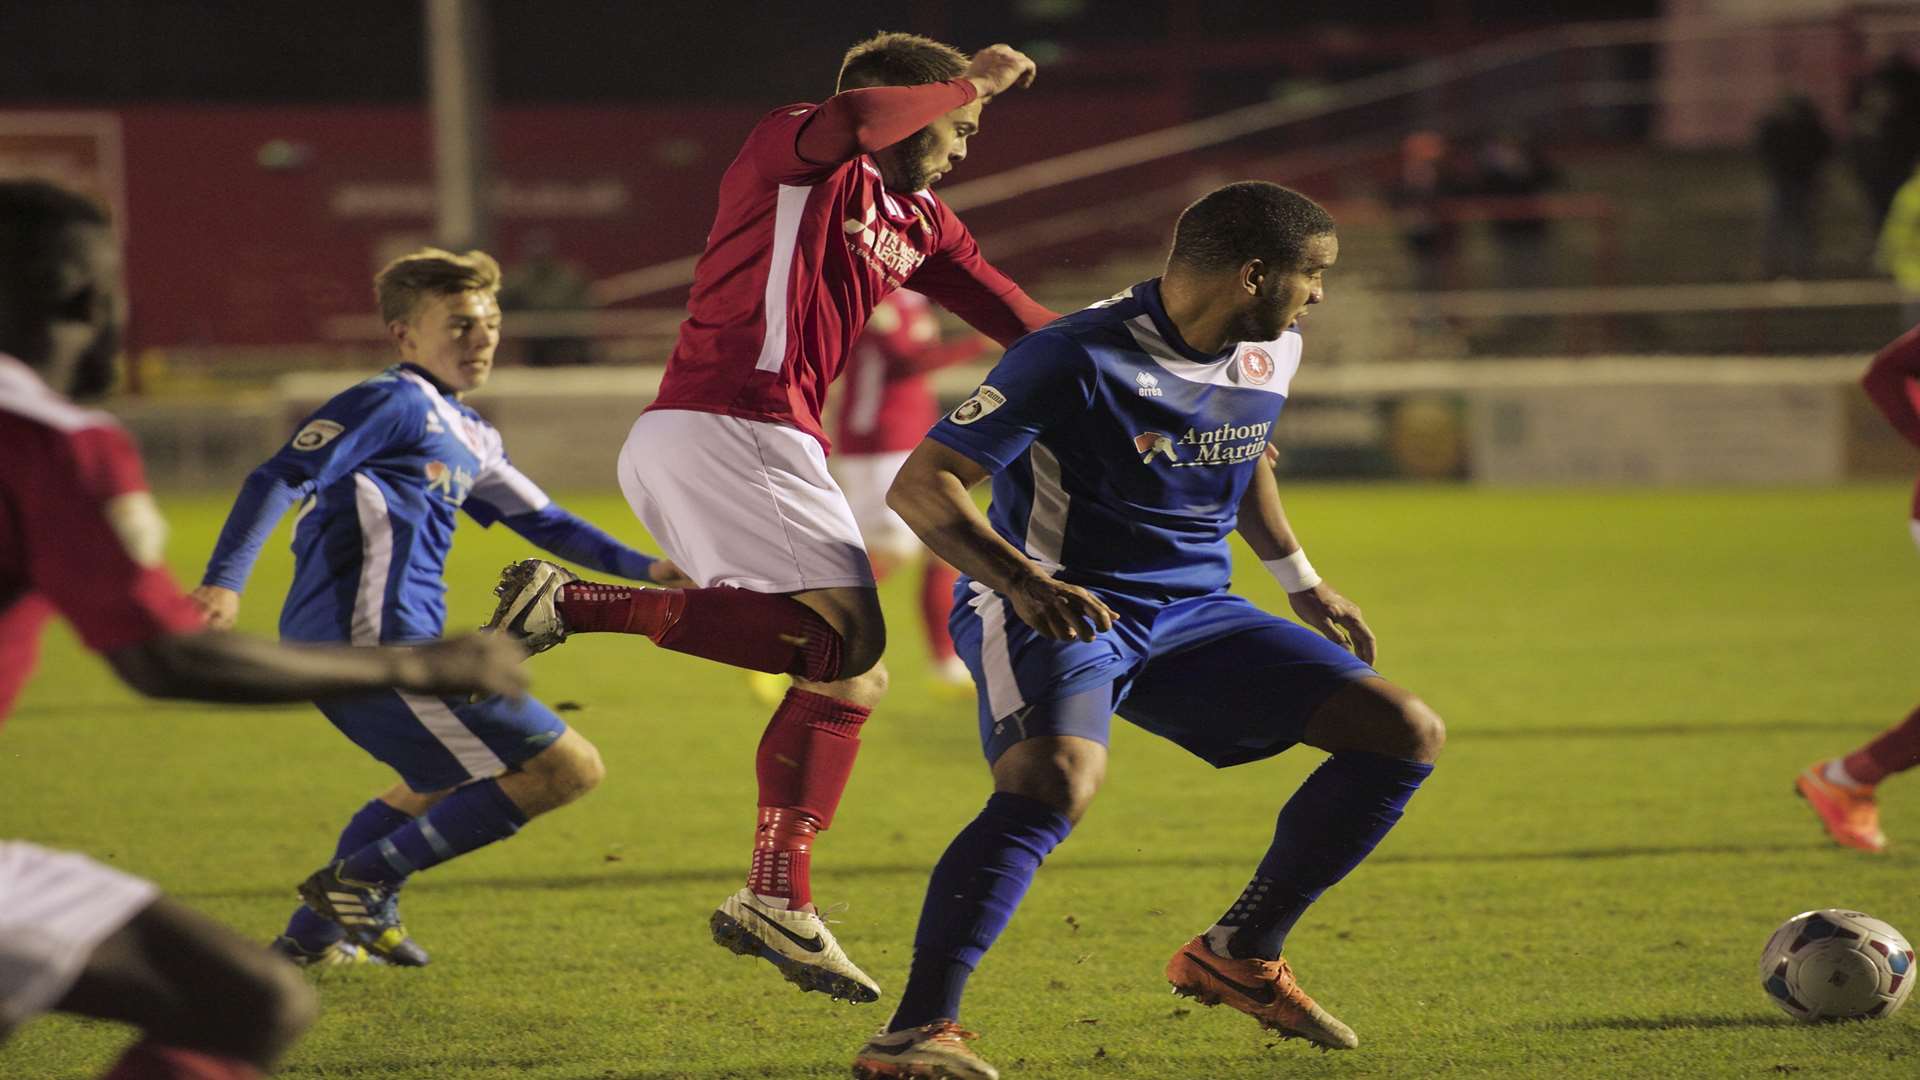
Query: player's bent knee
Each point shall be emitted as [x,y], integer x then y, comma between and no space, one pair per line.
[1064,773]
[1426,733]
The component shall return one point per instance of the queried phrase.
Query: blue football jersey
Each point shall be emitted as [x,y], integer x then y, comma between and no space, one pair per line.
[1119,453]
[383,467]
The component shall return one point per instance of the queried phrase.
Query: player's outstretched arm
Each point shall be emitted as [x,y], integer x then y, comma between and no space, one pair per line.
[228,667]
[930,494]
[1263,522]
[559,532]
[1892,381]
[999,68]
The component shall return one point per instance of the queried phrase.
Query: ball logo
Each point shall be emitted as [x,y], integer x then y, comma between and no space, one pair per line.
[1149,443]
[316,434]
[1256,365]
[984,400]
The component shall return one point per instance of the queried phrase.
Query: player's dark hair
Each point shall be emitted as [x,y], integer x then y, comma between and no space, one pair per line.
[1253,219]
[33,214]
[895,59]
[403,283]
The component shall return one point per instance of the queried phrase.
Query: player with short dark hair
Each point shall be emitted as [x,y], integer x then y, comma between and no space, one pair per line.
[80,535]
[1840,790]
[825,211]
[383,468]
[1125,442]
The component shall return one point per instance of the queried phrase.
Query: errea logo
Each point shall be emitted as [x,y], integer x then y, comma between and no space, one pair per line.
[1149,386]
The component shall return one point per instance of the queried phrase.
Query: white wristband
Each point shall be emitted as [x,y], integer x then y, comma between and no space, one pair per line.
[1294,573]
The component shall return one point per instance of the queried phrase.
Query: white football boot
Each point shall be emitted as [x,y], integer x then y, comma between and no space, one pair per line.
[796,942]
[936,1051]
[529,612]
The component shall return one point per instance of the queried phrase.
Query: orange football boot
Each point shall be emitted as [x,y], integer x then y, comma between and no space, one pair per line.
[1851,815]
[1263,989]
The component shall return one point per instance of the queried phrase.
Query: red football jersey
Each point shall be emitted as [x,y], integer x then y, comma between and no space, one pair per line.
[79,532]
[799,255]
[886,404]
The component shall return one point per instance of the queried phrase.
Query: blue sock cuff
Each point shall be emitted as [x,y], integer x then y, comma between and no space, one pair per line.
[1408,773]
[499,802]
[1030,816]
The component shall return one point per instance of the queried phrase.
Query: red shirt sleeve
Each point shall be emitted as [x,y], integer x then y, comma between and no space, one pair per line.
[802,143]
[1891,383]
[94,537]
[957,277]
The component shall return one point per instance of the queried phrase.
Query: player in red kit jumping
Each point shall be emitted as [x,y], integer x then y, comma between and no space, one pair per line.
[1841,789]
[80,536]
[825,211]
[885,409]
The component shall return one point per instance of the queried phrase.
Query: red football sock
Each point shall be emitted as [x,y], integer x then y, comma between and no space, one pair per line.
[760,631]
[1896,749]
[803,763]
[936,603]
[148,1060]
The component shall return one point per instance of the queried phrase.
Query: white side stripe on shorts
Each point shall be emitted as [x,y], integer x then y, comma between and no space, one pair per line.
[1003,690]
[466,747]
[376,557]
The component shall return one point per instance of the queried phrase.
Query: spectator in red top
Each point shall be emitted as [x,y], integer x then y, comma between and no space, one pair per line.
[826,211]
[80,536]
[886,406]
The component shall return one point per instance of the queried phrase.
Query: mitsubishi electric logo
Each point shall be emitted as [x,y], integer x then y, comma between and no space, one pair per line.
[1149,386]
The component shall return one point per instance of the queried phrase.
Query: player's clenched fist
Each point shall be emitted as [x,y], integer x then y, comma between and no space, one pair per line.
[1060,611]
[1000,67]
[220,607]
[472,664]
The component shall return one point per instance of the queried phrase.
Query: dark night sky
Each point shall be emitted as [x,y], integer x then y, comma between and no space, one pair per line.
[602,50]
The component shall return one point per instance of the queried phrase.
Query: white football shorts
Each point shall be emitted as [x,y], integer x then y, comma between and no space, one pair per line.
[741,502]
[865,478]
[55,909]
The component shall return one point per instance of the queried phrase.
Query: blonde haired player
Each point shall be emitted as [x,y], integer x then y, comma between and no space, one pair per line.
[382,470]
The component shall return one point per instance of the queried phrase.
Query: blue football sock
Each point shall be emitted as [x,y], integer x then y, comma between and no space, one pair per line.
[368,825]
[975,887]
[472,817]
[1332,822]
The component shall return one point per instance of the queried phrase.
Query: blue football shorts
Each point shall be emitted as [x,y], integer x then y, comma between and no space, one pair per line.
[437,743]
[1215,674]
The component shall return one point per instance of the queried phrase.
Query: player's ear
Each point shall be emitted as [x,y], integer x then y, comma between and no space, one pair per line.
[397,330]
[1252,273]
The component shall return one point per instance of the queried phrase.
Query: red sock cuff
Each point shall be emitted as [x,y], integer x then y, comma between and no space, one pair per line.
[829,714]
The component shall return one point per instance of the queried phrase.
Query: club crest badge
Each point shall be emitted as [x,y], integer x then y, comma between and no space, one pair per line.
[984,400]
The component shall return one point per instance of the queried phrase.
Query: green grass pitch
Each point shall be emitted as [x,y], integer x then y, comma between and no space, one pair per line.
[1631,681]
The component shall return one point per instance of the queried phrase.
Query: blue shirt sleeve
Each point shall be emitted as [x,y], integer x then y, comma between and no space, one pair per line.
[578,541]
[354,426]
[1045,377]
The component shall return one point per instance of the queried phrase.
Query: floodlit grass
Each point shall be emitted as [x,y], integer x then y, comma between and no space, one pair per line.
[1630,681]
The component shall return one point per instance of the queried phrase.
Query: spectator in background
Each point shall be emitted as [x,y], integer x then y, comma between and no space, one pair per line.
[1884,140]
[1427,179]
[539,283]
[1793,146]
[1899,249]
[1513,170]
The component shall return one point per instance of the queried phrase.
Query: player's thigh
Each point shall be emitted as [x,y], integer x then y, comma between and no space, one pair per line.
[742,503]
[188,981]
[437,743]
[1244,693]
[56,908]
[1020,676]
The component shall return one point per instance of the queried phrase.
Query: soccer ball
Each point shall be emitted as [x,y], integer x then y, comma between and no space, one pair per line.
[1837,965]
